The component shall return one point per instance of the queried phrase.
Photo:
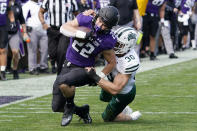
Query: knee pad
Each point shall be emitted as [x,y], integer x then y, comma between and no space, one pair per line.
[58,103]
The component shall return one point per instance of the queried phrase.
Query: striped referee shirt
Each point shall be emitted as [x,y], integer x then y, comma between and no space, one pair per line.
[104,3]
[60,11]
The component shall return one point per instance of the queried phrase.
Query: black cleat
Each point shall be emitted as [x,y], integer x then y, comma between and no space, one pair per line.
[173,56]
[15,74]
[84,114]
[2,76]
[67,116]
[44,71]
[153,57]
[53,70]
[34,72]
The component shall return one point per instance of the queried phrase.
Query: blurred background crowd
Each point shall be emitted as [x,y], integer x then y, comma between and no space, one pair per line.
[34,44]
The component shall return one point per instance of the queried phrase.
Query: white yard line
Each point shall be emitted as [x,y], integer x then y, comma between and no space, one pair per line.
[40,112]
[5,120]
[1,116]
[48,112]
[41,86]
[170,96]
[28,108]
[155,113]
[29,105]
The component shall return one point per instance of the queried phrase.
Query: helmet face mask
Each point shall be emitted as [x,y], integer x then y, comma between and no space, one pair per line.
[127,38]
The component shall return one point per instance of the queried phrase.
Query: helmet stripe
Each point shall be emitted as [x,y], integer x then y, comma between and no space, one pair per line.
[123,32]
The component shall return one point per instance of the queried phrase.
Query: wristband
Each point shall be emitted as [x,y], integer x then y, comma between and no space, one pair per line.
[80,34]
[162,20]
[102,75]
[43,23]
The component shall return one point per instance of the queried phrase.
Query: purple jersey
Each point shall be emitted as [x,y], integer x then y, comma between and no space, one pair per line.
[153,6]
[83,52]
[187,5]
[3,11]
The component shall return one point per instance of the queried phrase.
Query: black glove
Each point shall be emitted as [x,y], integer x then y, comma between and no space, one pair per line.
[12,28]
[90,36]
[92,75]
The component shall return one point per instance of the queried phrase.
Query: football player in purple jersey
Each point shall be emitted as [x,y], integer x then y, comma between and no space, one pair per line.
[184,22]
[83,48]
[4,13]
[154,11]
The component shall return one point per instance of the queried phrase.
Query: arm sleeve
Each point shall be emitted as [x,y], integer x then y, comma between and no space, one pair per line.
[21,17]
[25,11]
[83,20]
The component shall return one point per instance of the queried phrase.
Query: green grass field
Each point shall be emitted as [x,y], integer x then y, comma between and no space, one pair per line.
[166,97]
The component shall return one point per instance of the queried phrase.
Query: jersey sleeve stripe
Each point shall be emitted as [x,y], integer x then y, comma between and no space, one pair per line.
[131,71]
[132,67]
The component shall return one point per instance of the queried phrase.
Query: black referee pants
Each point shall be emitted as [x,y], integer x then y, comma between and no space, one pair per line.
[57,46]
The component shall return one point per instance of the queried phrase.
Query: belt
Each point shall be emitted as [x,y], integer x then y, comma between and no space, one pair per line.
[69,64]
[152,14]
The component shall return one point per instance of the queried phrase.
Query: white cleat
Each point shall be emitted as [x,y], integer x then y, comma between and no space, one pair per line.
[127,110]
[135,115]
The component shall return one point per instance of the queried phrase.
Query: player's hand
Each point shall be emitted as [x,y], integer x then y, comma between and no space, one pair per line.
[26,38]
[162,22]
[13,27]
[25,35]
[138,25]
[175,10]
[89,12]
[45,26]
[89,36]
[92,74]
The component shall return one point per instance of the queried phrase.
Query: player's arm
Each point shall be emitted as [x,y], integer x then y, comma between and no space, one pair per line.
[118,84]
[22,22]
[10,13]
[162,12]
[41,17]
[70,28]
[136,16]
[109,56]
[114,87]
[137,19]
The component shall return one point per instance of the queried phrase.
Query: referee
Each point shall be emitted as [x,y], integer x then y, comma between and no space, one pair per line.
[59,11]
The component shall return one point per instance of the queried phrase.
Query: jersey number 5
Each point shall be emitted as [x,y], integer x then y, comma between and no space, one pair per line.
[84,49]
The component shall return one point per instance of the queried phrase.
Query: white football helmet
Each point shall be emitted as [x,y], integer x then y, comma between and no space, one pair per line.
[127,38]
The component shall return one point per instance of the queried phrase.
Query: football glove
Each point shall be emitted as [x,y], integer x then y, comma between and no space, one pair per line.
[12,28]
[92,75]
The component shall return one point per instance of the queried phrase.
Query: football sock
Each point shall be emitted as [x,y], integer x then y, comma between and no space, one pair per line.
[2,68]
